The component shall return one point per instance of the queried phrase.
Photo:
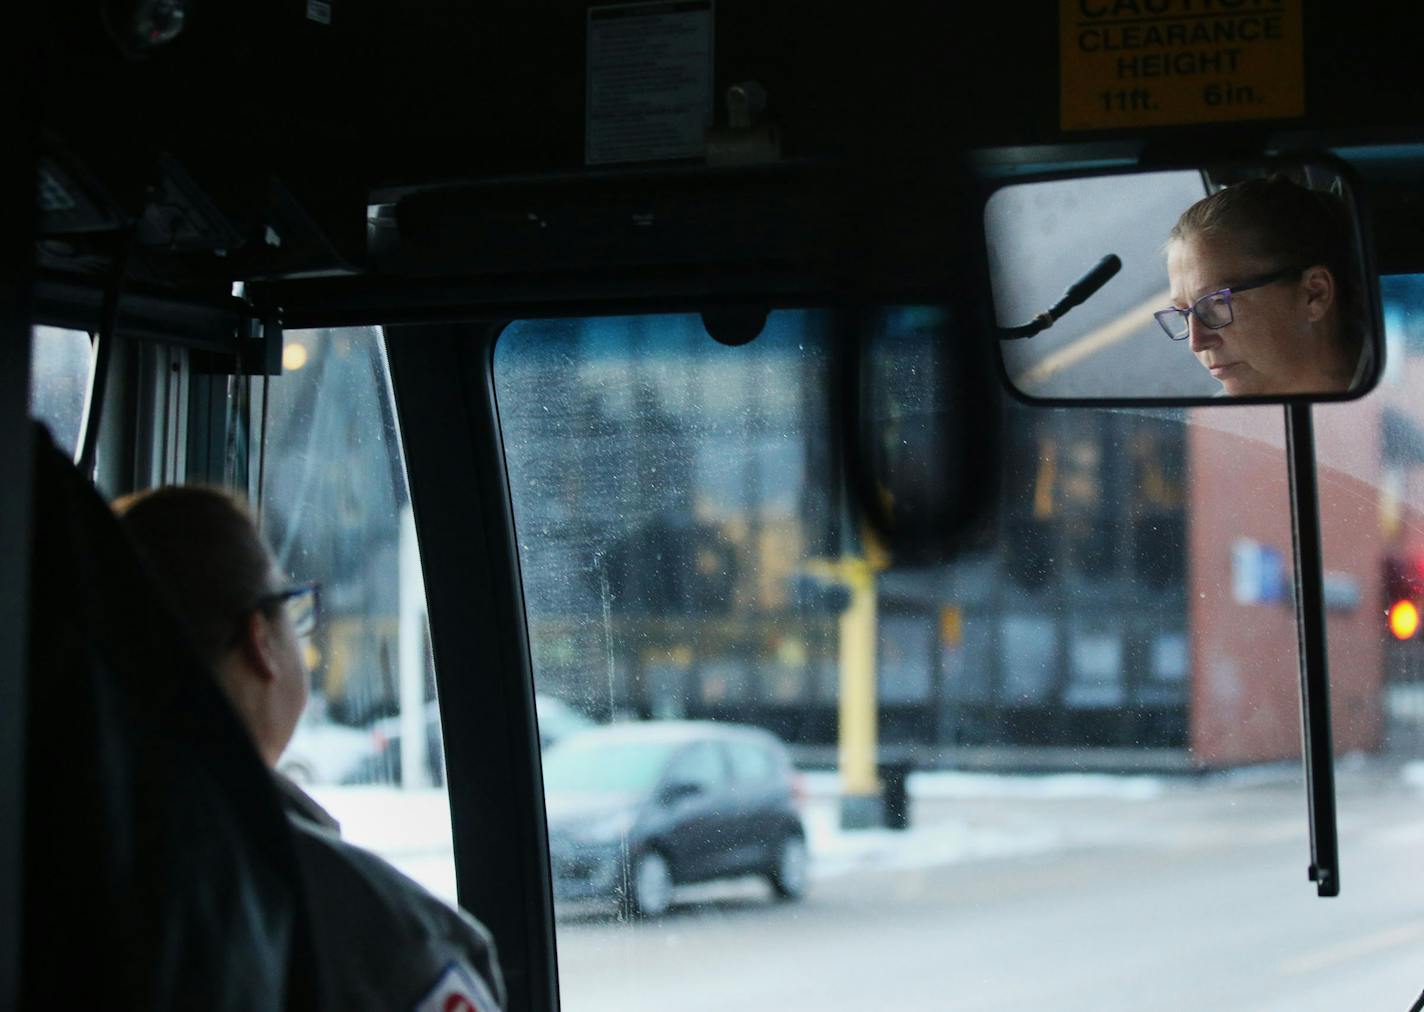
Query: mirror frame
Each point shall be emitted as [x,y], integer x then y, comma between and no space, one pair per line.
[1354,195]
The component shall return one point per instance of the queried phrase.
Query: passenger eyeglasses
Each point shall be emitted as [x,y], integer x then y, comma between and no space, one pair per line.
[1213,310]
[302,604]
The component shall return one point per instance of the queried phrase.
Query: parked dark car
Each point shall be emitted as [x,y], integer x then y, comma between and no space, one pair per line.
[637,809]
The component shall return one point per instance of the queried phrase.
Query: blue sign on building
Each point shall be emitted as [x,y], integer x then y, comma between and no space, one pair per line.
[1258,573]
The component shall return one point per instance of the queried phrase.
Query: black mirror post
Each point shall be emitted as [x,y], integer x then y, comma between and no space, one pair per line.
[1318,750]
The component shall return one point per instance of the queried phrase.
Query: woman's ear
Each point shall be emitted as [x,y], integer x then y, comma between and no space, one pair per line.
[1318,284]
[257,646]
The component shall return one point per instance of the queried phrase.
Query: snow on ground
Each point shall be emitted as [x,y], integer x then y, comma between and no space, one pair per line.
[835,851]
[946,839]
[1412,774]
[409,828]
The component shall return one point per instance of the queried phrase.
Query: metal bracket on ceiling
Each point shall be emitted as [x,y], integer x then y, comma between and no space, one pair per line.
[750,137]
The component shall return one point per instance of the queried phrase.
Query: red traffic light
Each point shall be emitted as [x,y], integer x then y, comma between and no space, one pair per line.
[1403,619]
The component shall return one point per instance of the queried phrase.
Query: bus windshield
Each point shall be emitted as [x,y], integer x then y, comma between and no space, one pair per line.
[1086,766]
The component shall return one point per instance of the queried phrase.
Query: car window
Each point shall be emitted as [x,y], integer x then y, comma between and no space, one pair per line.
[60,363]
[599,766]
[751,764]
[329,473]
[1088,718]
[701,765]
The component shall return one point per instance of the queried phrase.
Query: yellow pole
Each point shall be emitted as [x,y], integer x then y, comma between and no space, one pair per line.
[859,784]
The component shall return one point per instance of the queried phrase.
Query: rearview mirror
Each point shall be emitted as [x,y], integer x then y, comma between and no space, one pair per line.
[923,456]
[1232,283]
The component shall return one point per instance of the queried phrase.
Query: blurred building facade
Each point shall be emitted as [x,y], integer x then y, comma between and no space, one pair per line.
[1133,595]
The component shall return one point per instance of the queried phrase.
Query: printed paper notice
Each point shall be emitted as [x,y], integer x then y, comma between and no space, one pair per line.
[649,81]
[1134,63]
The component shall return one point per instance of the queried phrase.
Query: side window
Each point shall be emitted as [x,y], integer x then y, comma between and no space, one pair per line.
[60,363]
[751,764]
[335,507]
[701,764]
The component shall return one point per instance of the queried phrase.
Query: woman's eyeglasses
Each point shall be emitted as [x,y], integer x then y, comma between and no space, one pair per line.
[302,604]
[1213,310]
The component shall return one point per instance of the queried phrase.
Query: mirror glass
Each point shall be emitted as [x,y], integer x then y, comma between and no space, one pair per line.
[1208,284]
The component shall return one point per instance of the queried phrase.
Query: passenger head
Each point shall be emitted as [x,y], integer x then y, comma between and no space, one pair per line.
[1292,321]
[206,551]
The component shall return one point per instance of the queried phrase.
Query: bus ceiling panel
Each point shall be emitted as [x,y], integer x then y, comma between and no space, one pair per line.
[406,93]
[222,146]
[210,324]
[277,122]
[195,221]
[638,221]
[376,93]
[840,82]
[226,77]
[365,301]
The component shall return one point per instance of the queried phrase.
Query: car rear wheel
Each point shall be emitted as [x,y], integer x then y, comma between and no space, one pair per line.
[790,873]
[652,885]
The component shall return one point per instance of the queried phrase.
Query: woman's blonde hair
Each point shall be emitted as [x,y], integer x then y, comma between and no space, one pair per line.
[205,551]
[1286,224]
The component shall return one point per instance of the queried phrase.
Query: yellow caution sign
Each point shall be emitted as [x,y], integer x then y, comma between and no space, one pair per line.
[1135,63]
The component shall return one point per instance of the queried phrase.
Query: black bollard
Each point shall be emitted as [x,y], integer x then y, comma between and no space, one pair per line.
[895,794]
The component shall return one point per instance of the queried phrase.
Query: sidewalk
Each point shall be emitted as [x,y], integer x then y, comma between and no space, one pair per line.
[939,835]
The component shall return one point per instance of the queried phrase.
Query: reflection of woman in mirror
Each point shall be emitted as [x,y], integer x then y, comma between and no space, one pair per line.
[1263,285]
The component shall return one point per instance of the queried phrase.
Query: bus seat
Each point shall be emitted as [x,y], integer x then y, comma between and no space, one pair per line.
[158,867]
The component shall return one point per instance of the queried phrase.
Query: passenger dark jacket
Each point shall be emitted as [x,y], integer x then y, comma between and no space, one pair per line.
[384,940]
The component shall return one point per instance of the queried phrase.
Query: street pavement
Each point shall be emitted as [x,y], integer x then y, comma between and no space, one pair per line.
[1192,896]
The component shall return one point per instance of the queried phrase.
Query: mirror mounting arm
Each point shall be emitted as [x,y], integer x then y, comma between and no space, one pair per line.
[1318,751]
[1039,323]
[1076,294]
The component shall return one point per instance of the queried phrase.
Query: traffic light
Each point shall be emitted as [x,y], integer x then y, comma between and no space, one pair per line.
[1404,595]
[1403,619]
